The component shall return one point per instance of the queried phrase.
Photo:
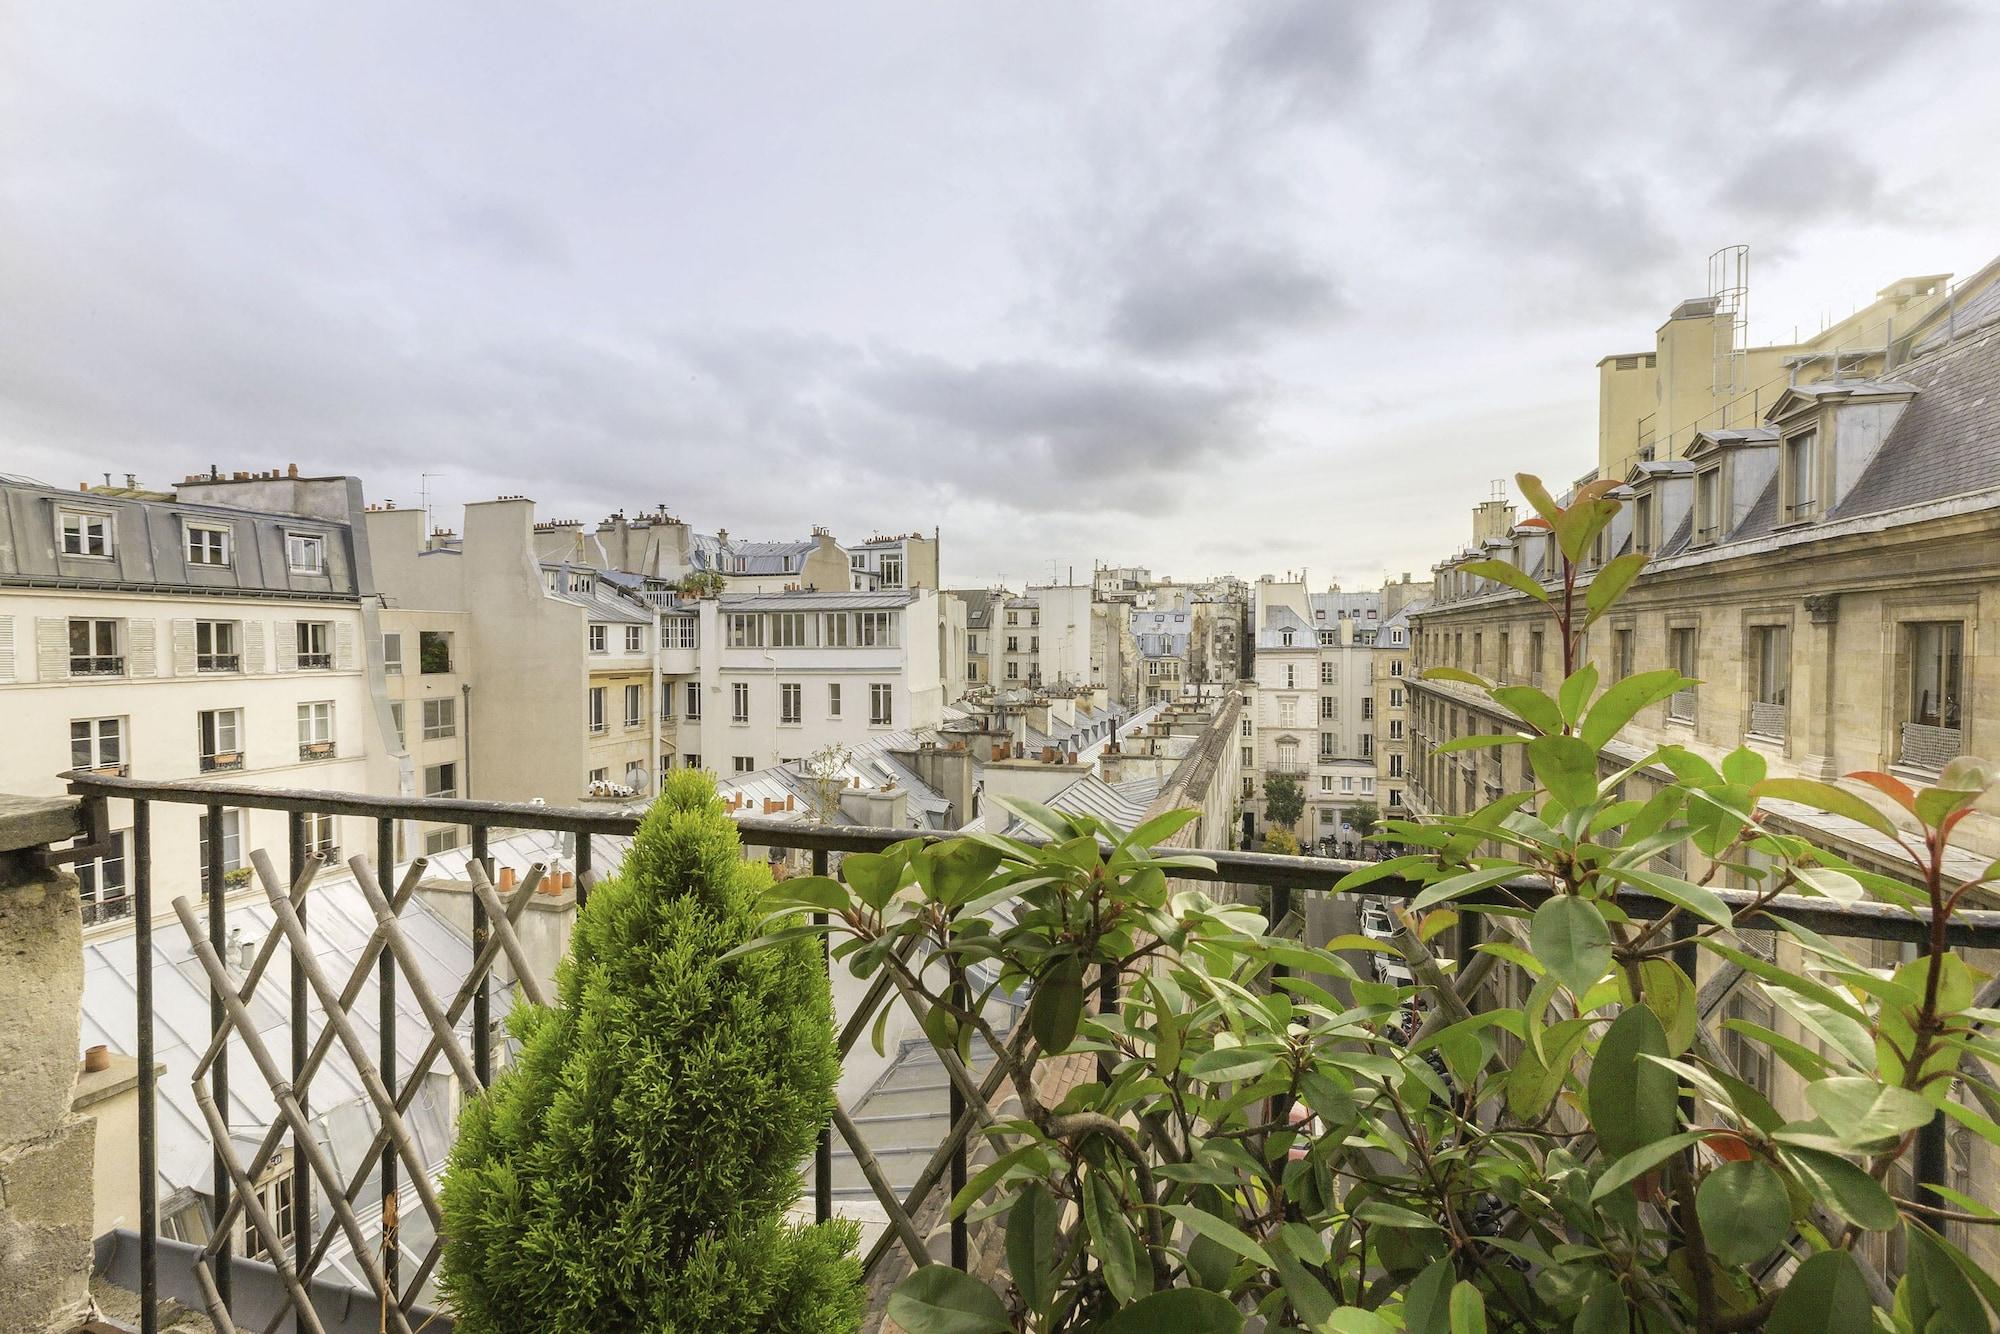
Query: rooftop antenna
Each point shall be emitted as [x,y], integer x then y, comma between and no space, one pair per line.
[430,526]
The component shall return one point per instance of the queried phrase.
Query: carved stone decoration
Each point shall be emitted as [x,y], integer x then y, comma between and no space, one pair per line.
[1824,608]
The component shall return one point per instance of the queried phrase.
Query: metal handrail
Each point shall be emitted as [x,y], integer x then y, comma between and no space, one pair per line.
[1281,874]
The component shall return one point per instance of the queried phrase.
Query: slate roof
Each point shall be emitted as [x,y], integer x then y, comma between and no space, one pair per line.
[1947,442]
[605,600]
[1163,645]
[1279,619]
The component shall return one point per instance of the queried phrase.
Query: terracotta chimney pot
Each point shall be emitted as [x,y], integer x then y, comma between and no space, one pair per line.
[97,1058]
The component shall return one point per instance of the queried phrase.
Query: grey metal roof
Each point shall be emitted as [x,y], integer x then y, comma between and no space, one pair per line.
[1946,442]
[605,600]
[149,547]
[1163,645]
[804,601]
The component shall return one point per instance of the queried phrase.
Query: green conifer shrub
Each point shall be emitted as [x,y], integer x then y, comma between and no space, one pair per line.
[632,1170]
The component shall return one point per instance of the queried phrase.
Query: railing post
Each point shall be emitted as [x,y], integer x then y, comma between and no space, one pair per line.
[482,1000]
[142,982]
[385,992]
[1933,1162]
[302,1211]
[218,1075]
[960,1242]
[823,1151]
[582,870]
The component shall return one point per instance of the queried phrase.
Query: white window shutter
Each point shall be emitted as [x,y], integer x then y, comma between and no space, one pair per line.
[253,646]
[184,662]
[142,648]
[52,647]
[288,645]
[6,648]
[343,645]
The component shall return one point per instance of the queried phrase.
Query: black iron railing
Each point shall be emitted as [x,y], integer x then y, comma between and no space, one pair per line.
[492,936]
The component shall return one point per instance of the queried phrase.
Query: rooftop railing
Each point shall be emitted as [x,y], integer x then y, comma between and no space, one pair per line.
[393,1281]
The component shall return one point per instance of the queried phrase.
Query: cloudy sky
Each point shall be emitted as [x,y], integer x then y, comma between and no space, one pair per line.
[1244,287]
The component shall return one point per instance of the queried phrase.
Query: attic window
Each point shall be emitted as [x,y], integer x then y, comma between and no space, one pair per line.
[1800,491]
[1707,504]
[1642,523]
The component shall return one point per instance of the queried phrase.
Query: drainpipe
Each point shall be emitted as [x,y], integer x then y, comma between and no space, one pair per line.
[465,691]
[659,703]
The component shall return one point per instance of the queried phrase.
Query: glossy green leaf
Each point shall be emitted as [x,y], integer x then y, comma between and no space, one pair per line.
[1225,1234]
[1744,1211]
[1511,575]
[1641,1161]
[1609,584]
[1056,1008]
[1458,886]
[1671,997]
[1864,1112]
[1570,937]
[1533,1082]
[873,876]
[1567,767]
[1531,706]
[1176,1311]
[1160,828]
[1468,1309]
[1306,1293]
[938,1299]
[1454,674]
[1824,797]
[1697,899]
[1618,705]
[1538,496]
[1112,1241]
[1826,1295]
[1940,1295]
[1843,1187]
[1632,1101]
[1575,693]
[1032,1225]
[1427,1301]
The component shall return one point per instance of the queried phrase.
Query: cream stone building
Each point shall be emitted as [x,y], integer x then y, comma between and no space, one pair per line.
[223,632]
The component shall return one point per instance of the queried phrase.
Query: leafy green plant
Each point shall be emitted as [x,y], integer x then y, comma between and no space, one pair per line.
[1260,1128]
[1279,840]
[1284,799]
[632,1170]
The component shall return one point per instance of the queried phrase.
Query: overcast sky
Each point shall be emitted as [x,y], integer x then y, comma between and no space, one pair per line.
[1208,288]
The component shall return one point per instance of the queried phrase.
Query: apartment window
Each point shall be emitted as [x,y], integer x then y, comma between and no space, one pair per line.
[1329,706]
[597,637]
[93,649]
[1291,677]
[746,630]
[215,647]
[441,780]
[1249,785]
[230,846]
[440,840]
[1367,707]
[1395,796]
[1013,618]
[1346,784]
[1395,697]
[691,760]
[1329,745]
[1395,766]
[97,743]
[834,627]
[880,707]
[1249,757]
[1395,729]
[875,629]
[396,719]
[1367,787]
[598,776]
[1326,784]
[1642,523]
[1681,657]
[789,630]
[833,699]
[635,639]
[1013,671]
[1535,657]
[84,533]
[743,764]
[1478,652]
[1770,649]
[1367,745]
[1707,504]
[1800,487]
[440,719]
[220,735]
[316,730]
[1621,654]
[392,654]
[277,1201]
[693,699]
[305,553]
[892,572]
[106,888]
[322,833]
[682,631]
[666,696]
[1937,665]
[739,702]
[1396,664]
[595,706]
[206,545]
[1288,755]
[635,705]
[1288,713]
[791,702]
[1328,673]
[311,642]
[1285,638]
[1013,643]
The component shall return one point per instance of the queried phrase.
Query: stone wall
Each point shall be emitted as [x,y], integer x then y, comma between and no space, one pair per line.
[46,1151]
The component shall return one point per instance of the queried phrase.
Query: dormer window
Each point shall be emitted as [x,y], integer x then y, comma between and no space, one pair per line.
[1707,505]
[1799,484]
[84,533]
[1642,522]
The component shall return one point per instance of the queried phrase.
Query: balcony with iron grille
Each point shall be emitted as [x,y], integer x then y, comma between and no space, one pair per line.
[350,1006]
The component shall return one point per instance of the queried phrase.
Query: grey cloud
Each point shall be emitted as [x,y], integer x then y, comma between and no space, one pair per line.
[1235,299]
[1310,53]
[1801,180]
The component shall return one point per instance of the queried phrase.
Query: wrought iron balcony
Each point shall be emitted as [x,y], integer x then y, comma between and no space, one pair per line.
[218,662]
[315,662]
[97,664]
[316,750]
[222,762]
[318,1004]
[1927,747]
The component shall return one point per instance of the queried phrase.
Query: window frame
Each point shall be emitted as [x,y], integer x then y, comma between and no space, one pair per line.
[440,718]
[197,550]
[312,544]
[739,702]
[881,704]
[102,521]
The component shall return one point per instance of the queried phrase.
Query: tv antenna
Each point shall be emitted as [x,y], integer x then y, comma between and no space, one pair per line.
[430,525]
